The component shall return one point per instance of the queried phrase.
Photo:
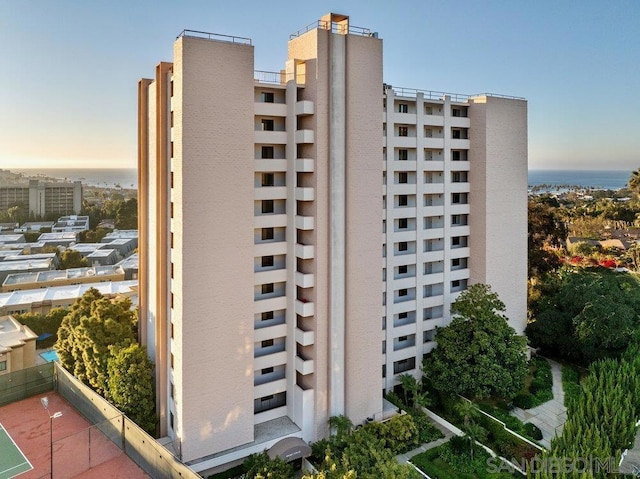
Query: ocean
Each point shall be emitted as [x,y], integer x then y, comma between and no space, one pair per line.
[103,177]
[128,177]
[596,179]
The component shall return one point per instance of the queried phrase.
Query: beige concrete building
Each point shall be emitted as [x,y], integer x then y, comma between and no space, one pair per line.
[303,232]
[17,346]
[44,198]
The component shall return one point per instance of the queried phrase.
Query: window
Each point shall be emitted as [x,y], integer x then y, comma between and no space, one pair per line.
[403,177]
[403,131]
[403,223]
[171,118]
[267,403]
[171,361]
[171,176]
[171,420]
[267,97]
[459,177]
[267,152]
[266,343]
[267,288]
[403,155]
[402,269]
[267,261]
[402,246]
[171,330]
[172,390]
[171,208]
[266,370]
[267,124]
[267,206]
[3,365]
[267,179]
[172,270]
[403,292]
[267,315]
[403,200]
[172,240]
[171,87]
[455,262]
[404,315]
[459,198]
[171,296]
[402,338]
[459,220]
[267,234]
[403,108]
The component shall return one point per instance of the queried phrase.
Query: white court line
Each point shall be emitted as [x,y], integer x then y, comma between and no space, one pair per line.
[18,448]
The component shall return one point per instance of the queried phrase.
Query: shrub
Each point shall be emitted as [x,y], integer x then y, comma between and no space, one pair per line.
[525,400]
[533,431]
[427,432]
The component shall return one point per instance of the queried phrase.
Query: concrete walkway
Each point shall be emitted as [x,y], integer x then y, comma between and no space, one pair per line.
[404,458]
[550,416]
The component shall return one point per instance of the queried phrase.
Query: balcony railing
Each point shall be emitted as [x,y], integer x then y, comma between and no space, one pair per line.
[215,36]
[334,27]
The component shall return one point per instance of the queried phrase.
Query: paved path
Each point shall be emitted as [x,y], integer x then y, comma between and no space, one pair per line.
[404,458]
[550,416]
[631,460]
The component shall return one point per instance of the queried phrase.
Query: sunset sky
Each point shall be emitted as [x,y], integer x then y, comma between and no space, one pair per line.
[70,68]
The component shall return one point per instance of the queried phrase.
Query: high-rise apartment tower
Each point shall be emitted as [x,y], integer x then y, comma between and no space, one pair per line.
[303,232]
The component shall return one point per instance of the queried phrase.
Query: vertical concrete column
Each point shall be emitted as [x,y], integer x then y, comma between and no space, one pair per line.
[337,155]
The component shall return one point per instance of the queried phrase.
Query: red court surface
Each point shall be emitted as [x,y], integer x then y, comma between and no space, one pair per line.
[77,451]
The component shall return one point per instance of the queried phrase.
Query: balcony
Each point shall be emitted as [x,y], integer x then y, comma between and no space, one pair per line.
[272,276]
[304,137]
[270,332]
[434,188]
[270,360]
[304,251]
[270,249]
[269,221]
[305,165]
[270,137]
[304,308]
[304,280]
[270,165]
[276,348]
[268,384]
[270,193]
[305,194]
[305,222]
[269,109]
[305,338]
[304,366]
[271,304]
[304,107]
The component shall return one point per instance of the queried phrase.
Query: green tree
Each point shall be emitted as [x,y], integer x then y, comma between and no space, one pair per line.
[131,385]
[44,324]
[260,466]
[547,230]
[478,354]
[585,314]
[127,215]
[70,258]
[87,334]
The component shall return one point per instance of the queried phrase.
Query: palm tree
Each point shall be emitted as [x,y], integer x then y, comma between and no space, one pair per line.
[421,399]
[409,385]
[341,424]
[634,182]
[467,410]
[475,432]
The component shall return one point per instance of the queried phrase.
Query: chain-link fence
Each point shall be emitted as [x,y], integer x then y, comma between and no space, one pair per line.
[19,385]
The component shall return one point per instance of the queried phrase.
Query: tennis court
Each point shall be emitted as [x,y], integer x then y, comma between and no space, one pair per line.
[12,461]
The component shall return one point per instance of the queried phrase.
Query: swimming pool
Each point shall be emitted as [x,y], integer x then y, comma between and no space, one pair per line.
[49,356]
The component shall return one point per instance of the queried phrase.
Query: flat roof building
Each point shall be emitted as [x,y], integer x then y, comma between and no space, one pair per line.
[303,232]
[43,198]
[46,279]
[42,300]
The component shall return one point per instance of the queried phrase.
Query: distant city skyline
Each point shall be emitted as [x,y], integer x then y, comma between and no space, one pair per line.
[68,91]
